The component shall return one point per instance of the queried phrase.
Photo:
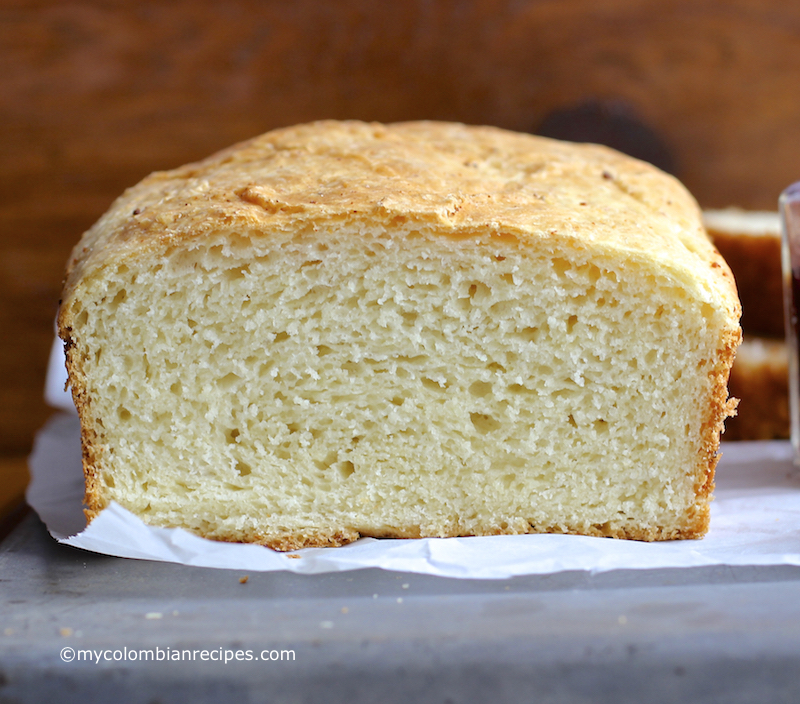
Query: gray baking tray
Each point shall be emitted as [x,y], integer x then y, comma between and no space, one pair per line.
[707,634]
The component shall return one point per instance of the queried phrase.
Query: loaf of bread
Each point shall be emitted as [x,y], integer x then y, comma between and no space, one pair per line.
[750,242]
[423,329]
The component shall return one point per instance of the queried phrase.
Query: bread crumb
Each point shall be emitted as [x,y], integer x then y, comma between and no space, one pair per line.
[243,580]
[65,632]
[153,615]
[294,557]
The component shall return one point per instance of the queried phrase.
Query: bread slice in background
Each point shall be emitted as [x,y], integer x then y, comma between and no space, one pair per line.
[750,241]
[760,380]
[425,329]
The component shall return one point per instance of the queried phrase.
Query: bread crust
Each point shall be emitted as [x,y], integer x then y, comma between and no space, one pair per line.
[464,180]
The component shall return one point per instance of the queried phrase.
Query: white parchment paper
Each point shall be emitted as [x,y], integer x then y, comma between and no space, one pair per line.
[755,520]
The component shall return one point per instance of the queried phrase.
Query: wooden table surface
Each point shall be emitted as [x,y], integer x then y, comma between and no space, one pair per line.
[93,96]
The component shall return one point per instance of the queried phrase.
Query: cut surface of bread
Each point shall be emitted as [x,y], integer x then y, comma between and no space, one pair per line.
[424,329]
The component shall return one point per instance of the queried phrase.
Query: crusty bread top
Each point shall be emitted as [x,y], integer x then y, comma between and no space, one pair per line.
[462,180]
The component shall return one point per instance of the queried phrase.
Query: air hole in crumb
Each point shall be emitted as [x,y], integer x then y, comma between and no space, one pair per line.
[481,389]
[110,480]
[122,294]
[232,434]
[346,468]
[398,401]
[409,317]
[323,350]
[228,380]
[281,336]
[572,321]
[479,292]
[560,266]
[571,421]
[600,426]
[243,468]
[433,385]
[326,463]
[237,273]
[484,423]
[123,413]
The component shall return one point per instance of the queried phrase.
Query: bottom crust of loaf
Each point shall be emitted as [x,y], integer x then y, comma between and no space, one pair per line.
[338,537]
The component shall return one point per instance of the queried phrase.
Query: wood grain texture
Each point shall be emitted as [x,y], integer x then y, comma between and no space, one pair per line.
[94,95]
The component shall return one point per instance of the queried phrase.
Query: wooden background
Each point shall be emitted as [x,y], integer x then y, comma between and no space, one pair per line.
[95,95]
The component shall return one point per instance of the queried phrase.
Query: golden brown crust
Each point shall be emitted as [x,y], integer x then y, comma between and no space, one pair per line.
[466,181]
[90,447]
[720,407]
[696,528]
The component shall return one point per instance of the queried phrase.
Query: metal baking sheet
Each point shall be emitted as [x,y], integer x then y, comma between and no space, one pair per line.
[706,634]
